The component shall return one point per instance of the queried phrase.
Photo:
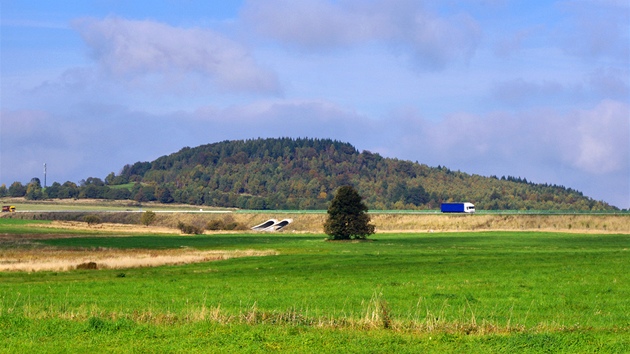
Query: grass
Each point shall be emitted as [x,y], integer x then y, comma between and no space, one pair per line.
[16,226]
[103,335]
[44,228]
[434,292]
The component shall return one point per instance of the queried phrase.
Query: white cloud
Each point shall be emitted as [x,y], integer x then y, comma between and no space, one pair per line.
[148,50]
[311,23]
[602,138]
[430,40]
[595,141]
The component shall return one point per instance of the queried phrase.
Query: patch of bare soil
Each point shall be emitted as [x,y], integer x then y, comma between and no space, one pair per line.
[50,259]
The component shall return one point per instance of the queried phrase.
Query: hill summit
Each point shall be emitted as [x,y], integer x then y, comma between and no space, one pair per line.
[286,173]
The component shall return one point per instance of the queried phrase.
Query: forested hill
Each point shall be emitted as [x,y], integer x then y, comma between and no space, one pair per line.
[289,173]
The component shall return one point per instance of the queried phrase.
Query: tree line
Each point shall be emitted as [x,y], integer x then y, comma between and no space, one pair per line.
[286,173]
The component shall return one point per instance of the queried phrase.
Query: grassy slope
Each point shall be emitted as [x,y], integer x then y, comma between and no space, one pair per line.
[512,291]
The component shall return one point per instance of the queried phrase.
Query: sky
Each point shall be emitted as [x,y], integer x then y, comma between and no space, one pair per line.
[531,89]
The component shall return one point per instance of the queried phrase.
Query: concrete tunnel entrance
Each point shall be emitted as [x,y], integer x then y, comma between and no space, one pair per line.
[272,225]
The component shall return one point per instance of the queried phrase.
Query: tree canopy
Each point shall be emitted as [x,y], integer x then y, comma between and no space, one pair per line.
[347,216]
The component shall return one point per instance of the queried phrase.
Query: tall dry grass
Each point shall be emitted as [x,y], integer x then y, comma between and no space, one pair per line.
[313,223]
[564,223]
[375,315]
[50,259]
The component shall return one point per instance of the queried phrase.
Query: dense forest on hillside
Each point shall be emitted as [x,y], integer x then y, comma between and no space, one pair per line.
[287,173]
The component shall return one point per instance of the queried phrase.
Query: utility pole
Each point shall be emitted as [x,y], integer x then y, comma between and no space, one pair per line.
[44,175]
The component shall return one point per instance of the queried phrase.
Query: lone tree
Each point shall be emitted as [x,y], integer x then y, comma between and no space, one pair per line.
[347,216]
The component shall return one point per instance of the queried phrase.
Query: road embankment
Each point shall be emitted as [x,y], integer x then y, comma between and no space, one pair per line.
[384,222]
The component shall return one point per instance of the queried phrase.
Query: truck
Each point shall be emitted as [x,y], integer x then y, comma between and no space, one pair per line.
[8,208]
[458,208]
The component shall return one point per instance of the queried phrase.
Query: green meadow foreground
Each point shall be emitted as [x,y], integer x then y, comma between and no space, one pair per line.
[502,291]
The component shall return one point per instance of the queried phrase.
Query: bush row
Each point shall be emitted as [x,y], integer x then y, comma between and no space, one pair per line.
[227,223]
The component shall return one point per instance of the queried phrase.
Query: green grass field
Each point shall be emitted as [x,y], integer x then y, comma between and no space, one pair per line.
[430,292]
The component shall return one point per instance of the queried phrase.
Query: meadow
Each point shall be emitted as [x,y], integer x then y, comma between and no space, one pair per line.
[490,291]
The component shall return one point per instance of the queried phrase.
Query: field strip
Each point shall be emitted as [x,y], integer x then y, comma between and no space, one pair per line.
[106,227]
[200,211]
[50,259]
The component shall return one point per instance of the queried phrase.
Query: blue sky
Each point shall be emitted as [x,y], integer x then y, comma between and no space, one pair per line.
[536,89]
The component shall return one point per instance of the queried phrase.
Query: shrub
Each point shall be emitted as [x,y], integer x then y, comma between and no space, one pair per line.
[189,229]
[214,225]
[92,219]
[88,265]
[227,223]
[231,226]
[147,218]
